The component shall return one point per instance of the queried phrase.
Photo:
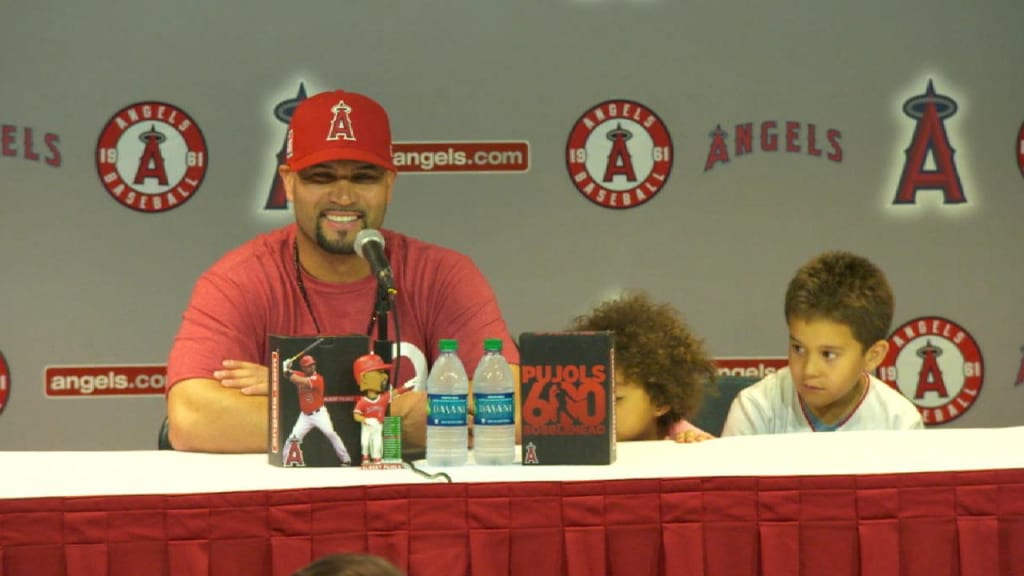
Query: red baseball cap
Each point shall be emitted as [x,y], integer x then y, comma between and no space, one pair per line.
[307,361]
[339,125]
[368,363]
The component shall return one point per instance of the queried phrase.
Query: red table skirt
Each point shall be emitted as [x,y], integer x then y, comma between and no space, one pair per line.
[928,524]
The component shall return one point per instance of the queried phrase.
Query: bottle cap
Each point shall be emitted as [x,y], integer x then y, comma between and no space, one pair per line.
[492,345]
[449,345]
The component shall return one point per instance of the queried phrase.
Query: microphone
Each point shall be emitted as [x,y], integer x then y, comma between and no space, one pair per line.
[370,246]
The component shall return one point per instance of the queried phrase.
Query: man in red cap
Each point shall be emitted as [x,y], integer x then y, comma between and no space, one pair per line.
[306,278]
[310,385]
[372,374]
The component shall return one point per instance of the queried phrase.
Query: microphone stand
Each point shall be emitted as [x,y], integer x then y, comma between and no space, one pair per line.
[381,345]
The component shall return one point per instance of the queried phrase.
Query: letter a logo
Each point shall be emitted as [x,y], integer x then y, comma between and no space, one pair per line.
[531,454]
[929,379]
[930,109]
[151,164]
[341,125]
[619,160]
[719,151]
[293,454]
[277,199]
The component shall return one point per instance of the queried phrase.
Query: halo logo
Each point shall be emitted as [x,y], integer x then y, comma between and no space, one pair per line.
[151,156]
[619,154]
[937,365]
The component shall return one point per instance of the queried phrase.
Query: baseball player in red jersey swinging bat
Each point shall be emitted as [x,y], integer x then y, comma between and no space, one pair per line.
[310,386]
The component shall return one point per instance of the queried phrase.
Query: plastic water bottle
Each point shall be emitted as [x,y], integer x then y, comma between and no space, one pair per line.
[447,389]
[494,430]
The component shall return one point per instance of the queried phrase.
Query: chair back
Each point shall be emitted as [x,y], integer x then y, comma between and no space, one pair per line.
[718,397]
[163,442]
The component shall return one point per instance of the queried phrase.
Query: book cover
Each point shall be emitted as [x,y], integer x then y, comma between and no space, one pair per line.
[568,397]
[313,393]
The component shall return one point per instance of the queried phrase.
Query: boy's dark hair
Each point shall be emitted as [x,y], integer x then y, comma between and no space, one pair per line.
[654,348]
[843,288]
[349,564]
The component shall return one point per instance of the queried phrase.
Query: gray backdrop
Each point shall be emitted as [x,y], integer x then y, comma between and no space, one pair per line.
[87,281]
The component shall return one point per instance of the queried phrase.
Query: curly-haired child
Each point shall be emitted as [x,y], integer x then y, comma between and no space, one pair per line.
[661,367]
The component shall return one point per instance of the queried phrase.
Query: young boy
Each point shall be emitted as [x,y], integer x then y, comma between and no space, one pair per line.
[660,368]
[839,308]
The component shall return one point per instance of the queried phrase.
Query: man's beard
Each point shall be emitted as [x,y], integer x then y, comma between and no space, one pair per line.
[338,246]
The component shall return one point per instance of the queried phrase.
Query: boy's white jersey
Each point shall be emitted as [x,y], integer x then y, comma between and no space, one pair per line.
[772,406]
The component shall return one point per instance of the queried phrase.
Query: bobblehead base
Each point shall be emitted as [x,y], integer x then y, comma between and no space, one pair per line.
[568,398]
[312,396]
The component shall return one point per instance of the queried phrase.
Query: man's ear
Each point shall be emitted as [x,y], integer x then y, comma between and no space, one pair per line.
[390,177]
[286,173]
[875,354]
[661,411]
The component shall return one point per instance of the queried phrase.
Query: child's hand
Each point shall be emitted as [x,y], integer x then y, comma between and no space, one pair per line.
[692,436]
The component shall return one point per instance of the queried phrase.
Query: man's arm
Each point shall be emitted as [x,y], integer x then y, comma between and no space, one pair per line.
[204,416]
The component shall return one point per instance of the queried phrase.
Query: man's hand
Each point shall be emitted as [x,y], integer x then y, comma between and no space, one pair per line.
[691,436]
[248,378]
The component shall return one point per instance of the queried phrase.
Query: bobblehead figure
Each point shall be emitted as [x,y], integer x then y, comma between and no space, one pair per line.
[372,374]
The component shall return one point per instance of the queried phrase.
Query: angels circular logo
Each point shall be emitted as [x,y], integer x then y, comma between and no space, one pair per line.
[5,382]
[937,365]
[619,154]
[151,156]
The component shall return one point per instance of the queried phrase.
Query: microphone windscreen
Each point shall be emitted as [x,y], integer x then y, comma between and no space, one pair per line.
[367,235]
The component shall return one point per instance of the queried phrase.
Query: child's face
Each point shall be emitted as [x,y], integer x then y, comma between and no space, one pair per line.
[635,415]
[827,364]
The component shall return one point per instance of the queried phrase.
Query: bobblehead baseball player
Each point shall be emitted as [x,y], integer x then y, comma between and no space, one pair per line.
[372,374]
[313,414]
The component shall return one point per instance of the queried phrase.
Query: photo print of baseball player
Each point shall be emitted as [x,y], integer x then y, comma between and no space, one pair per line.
[312,413]
[373,376]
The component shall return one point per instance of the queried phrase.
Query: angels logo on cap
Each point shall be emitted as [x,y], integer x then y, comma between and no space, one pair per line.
[339,125]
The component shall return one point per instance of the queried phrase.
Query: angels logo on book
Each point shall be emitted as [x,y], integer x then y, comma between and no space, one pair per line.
[293,455]
[937,365]
[565,400]
[5,382]
[530,455]
[151,156]
[619,154]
